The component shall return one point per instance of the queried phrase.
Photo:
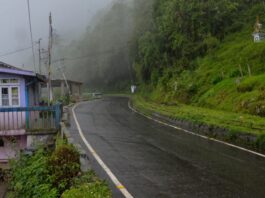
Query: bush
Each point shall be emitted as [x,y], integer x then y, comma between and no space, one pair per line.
[211,43]
[64,165]
[234,73]
[88,190]
[245,87]
[30,176]
[88,186]
[217,79]
[65,100]
[49,176]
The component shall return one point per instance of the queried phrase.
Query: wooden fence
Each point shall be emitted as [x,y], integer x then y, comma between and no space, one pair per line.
[30,118]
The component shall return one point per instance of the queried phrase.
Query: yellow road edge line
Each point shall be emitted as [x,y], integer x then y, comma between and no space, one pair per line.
[120,187]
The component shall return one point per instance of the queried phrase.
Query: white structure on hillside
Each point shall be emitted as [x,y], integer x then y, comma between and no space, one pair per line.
[133,88]
[257,34]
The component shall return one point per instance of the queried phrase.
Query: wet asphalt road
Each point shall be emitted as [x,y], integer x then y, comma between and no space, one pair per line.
[155,161]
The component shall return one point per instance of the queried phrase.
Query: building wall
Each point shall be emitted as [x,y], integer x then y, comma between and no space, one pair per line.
[33,94]
[12,147]
[12,121]
[76,90]
[34,141]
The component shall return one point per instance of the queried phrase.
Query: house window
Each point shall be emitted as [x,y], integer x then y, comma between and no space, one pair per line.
[9,81]
[2,143]
[9,92]
[14,96]
[5,96]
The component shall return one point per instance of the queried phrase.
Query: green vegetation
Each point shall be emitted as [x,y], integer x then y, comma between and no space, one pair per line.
[88,185]
[64,165]
[203,54]
[54,174]
[198,62]
[31,177]
[233,121]
[237,124]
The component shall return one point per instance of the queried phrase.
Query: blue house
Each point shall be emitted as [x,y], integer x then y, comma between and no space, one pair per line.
[19,88]
[22,119]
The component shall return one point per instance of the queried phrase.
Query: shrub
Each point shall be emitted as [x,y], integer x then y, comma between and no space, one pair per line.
[211,42]
[65,165]
[245,87]
[65,100]
[88,190]
[217,79]
[155,77]
[258,108]
[30,176]
[88,186]
[49,176]
[234,73]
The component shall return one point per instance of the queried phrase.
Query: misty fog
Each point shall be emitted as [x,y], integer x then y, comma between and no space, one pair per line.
[70,19]
[96,39]
[103,57]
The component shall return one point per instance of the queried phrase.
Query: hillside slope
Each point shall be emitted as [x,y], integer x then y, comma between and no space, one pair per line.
[215,65]
[218,82]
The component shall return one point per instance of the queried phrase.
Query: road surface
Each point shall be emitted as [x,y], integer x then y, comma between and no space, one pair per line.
[156,161]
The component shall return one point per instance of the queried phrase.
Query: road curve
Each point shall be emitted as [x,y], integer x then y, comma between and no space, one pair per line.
[152,160]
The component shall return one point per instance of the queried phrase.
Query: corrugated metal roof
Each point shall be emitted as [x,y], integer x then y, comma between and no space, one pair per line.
[7,66]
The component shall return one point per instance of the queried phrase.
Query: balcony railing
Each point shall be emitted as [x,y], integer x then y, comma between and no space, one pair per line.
[39,118]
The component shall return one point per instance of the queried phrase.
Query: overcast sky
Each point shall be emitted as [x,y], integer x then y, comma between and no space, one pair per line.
[70,19]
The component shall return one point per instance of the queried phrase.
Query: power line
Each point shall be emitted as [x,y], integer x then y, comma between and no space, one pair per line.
[91,55]
[31,36]
[16,51]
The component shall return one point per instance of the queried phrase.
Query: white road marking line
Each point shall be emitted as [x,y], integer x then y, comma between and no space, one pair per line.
[192,133]
[114,179]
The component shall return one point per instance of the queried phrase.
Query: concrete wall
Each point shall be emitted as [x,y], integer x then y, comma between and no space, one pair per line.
[75,89]
[34,141]
[11,150]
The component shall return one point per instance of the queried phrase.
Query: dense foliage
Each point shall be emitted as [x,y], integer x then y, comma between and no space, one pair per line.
[64,164]
[31,176]
[202,53]
[47,174]
[88,185]
[185,30]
